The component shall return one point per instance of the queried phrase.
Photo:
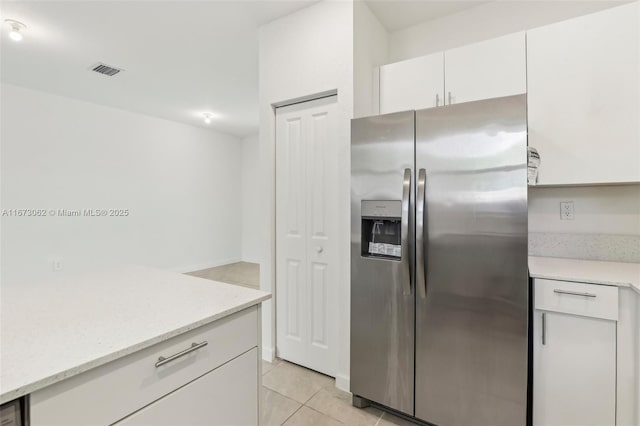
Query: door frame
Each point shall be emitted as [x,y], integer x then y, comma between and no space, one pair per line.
[273,240]
[266,198]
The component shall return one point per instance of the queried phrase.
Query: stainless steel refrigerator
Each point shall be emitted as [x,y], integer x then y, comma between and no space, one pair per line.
[439,278]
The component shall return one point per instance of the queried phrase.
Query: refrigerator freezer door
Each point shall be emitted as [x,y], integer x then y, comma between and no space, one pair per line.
[471,324]
[382,296]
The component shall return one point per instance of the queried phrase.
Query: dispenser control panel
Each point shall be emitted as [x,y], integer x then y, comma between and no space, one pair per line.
[381,224]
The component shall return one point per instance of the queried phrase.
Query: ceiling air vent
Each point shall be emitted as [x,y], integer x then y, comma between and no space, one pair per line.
[106,69]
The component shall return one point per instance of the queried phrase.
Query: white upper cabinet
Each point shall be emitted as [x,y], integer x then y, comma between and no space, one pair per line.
[488,69]
[413,84]
[584,98]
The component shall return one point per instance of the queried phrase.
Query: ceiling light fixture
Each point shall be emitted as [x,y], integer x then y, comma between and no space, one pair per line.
[207,117]
[16,27]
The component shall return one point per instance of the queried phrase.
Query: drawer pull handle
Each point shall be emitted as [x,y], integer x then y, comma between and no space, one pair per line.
[544,328]
[194,347]
[574,293]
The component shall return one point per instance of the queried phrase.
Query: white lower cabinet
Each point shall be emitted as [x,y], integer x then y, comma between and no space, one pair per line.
[575,371]
[206,376]
[574,354]
[220,397]
[628,359]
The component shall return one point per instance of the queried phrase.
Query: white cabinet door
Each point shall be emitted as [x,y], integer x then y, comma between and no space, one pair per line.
[574,370]
[306,234]
[489,69]
[225,396]
[584,98]
[413,84]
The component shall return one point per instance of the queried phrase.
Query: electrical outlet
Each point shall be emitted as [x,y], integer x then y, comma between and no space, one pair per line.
[57,264]
[566,210]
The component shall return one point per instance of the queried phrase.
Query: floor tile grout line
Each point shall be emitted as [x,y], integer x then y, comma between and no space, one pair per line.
[311,397]
[272,368]
[326,415]
[288,397]
[306,403]
[292,414]
[329,415]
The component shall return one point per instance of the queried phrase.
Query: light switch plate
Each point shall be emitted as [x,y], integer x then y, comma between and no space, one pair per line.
[566,210]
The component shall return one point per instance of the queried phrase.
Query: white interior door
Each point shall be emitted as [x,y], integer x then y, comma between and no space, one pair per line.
[306,223]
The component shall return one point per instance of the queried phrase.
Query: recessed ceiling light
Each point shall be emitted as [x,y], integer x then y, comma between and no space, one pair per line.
[207,117]
[16,27]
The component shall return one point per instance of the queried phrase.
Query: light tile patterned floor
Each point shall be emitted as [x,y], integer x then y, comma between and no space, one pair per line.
[295,396]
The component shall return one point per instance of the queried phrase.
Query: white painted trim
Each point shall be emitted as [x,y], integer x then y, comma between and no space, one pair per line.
[199,267]
[268,354]
[343,382]
[260,349]
[306,98]
[250,260]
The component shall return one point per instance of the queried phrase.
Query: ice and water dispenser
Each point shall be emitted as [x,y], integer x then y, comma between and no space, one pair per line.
[381,223]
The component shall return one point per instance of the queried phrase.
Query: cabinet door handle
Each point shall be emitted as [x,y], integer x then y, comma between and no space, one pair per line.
[544,328]
[194,347]
[437,100]
[574,293]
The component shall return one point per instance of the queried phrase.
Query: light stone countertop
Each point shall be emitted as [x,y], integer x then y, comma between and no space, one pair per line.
[57,329]
[586,271]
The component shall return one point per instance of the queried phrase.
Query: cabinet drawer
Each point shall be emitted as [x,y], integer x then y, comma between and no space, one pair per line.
[227,396]
[590,300]
[110,392]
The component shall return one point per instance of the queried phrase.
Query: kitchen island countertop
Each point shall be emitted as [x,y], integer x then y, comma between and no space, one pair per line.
[54,330]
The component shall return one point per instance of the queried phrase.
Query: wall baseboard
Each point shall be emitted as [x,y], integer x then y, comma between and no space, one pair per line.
[199,267]
[343,382]
[268,354]
[249,259]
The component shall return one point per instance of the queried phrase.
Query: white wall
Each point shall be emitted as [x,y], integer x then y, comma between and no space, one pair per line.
[483,22]
[598,210]
[606,224]
[305,53]
[177,181]
[370,50]
[251,210]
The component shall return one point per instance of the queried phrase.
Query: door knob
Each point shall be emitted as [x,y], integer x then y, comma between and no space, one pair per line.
[319,249]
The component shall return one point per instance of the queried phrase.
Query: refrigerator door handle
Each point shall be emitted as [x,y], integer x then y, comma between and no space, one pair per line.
[421,273]
[404,233]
